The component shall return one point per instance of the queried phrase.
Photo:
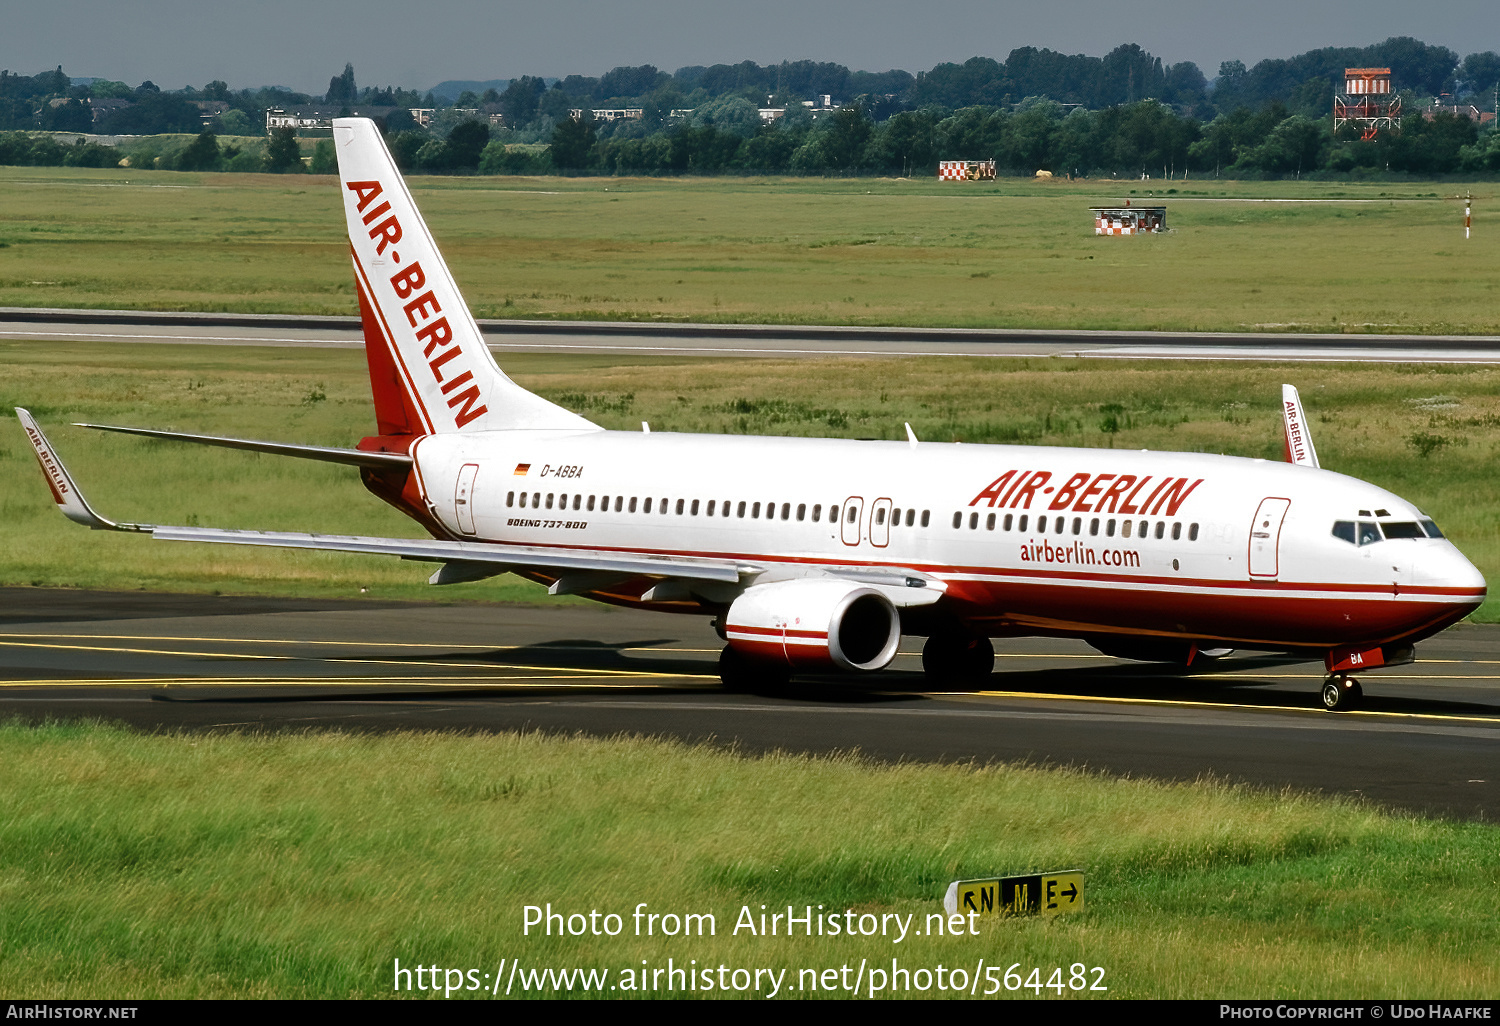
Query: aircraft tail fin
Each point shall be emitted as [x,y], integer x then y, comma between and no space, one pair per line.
[430,370]
[1299,444]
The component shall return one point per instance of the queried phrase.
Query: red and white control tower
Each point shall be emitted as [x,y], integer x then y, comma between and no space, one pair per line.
[1367,102]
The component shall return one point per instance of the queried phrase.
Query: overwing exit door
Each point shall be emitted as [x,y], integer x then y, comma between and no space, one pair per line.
[1265,537]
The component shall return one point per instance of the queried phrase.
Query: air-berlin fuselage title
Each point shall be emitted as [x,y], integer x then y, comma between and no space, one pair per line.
[1088,493]
[422,309]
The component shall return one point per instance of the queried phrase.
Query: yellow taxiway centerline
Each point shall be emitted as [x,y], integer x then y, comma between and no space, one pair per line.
[1436,717]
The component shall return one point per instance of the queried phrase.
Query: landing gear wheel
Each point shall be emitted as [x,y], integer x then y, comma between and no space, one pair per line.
[950,659]
[1340,693]
[740,673]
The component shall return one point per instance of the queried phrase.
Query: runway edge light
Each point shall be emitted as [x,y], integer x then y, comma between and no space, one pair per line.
[1039,894]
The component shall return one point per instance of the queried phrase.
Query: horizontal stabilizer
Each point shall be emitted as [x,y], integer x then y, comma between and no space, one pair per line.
[328,454]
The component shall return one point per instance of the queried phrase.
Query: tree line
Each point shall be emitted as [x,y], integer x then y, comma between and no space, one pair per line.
[1123,114]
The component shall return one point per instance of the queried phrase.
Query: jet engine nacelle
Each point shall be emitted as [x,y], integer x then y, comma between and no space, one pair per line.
[815,624]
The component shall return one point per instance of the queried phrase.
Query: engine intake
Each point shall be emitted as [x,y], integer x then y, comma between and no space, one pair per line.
[815,624]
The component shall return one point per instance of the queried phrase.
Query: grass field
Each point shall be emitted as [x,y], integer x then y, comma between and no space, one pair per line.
[1429,433]
[1378,257]
[304,865]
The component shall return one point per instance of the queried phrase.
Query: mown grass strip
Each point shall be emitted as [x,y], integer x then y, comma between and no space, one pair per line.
[302,865]
[1013,253]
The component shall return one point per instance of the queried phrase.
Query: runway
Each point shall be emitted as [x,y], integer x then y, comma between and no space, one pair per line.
[749,340]
[1426,740]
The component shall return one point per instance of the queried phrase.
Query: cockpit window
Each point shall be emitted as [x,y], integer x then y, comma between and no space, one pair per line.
[1402,529]
[1431,529]
[1369,534]
[1344,529]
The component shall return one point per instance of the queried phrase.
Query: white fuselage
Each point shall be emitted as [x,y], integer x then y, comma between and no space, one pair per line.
[1025,539]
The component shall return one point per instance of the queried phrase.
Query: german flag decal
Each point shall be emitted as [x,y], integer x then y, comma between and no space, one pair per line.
[522,469]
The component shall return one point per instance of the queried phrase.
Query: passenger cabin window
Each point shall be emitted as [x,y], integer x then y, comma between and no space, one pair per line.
[958,520]
[802,511]
[1176,531]
[510,498]
[912,513]
[620,501]
[817,512]
[1192,532]
[926,516]
[833,514]
[1041,524]
[989,522]
[851,514]
[1022,525]
[1009,519]
[632,504]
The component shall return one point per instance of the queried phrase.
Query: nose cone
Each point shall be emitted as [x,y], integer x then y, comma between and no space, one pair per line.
[1448,572]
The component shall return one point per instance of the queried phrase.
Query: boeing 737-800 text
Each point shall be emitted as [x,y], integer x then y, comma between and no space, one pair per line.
[819,554]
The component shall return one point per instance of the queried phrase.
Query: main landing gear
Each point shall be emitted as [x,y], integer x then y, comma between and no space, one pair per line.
[1341,693]
[958,660]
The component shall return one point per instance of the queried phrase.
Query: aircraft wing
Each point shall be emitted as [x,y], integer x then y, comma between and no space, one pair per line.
[470,554]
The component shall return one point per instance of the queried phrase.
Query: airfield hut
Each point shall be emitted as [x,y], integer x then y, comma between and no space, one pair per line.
[966,170]
[1129,220]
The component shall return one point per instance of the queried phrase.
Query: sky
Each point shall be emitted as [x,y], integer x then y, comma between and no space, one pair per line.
[302,43]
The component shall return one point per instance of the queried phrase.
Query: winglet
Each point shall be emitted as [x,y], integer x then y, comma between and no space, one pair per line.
[64,492]
[1299,445]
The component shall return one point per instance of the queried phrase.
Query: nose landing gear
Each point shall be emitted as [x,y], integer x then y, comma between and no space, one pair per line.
[1341,693]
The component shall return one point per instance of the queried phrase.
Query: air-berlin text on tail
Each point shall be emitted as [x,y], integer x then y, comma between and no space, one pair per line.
[1088,493]
[422,309]
[1296,448]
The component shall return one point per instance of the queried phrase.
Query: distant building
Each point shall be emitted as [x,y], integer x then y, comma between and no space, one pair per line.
[1444,105]
[104,108]
[609,113]
[321,117]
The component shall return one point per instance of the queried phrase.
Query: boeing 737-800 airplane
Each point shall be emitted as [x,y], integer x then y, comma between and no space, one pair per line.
[818,554]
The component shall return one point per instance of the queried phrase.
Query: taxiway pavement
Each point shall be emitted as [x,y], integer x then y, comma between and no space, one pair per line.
[1427,738]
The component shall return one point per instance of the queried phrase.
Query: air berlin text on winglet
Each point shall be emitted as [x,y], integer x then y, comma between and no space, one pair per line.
[422,309]
[1089,493]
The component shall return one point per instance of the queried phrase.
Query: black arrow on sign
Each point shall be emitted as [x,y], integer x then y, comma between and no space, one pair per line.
[1071,892]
